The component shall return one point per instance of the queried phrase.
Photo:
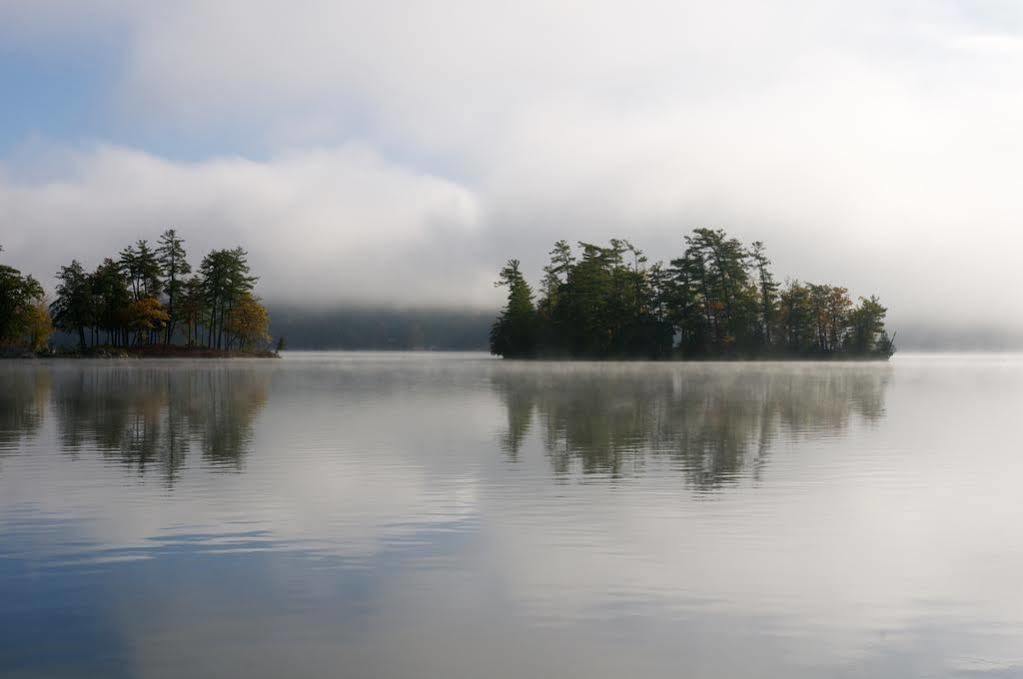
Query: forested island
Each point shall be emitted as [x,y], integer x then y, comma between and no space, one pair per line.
[144,302]
[719,300]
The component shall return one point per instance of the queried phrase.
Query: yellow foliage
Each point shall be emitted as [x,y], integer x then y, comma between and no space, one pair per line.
[249,322]
[147,314]
[39,326]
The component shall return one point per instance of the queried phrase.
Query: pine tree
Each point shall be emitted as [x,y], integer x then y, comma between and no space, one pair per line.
[514,333]
[72,310]
[768,290]
[225,275]
[172,258]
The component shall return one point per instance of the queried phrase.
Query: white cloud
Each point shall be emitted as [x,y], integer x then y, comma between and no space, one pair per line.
[319,225]
[872,144]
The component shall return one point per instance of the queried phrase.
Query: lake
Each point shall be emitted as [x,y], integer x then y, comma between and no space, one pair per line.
[449,516]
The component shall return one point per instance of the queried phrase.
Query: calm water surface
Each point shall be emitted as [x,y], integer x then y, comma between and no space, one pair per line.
[375,515]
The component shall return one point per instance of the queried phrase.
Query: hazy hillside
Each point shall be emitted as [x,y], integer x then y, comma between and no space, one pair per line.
[381,328]
[468,330]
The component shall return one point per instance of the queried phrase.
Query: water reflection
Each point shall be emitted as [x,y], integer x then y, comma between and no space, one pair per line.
[712,422]
[23,401]
[535,515]
[144,418]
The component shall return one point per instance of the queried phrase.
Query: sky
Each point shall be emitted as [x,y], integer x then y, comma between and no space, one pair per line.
[397,153]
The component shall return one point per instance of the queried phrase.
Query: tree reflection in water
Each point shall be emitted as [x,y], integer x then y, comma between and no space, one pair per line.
[712,421]
[148,418]
[23,399]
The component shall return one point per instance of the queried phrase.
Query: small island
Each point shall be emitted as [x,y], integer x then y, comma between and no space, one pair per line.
[718,301]
[146,302]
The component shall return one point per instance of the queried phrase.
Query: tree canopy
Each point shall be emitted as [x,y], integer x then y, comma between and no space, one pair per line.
[719,299]
[20,299]
[145,297]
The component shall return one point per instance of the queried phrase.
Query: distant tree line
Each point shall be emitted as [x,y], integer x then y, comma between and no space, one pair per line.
[145,297]
[718,300]
[360,328]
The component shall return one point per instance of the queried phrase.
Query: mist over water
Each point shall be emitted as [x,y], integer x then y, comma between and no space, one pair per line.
[410,515]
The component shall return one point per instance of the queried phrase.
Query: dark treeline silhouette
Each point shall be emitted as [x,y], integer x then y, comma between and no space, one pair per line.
[712,424]
[718,300]
[147,298]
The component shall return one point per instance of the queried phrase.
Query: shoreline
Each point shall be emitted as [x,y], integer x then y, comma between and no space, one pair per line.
[213,354]
[142,353]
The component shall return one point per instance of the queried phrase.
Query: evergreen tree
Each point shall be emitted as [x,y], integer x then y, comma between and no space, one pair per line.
[719,299]
[172,258]
[555,273]
[225,275]
[111,300]
[867,333]
[73,310]
[192,309]
[142,268]
[514,333]
[768,292]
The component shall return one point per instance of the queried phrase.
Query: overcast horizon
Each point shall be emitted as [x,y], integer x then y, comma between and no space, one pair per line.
[397,153]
